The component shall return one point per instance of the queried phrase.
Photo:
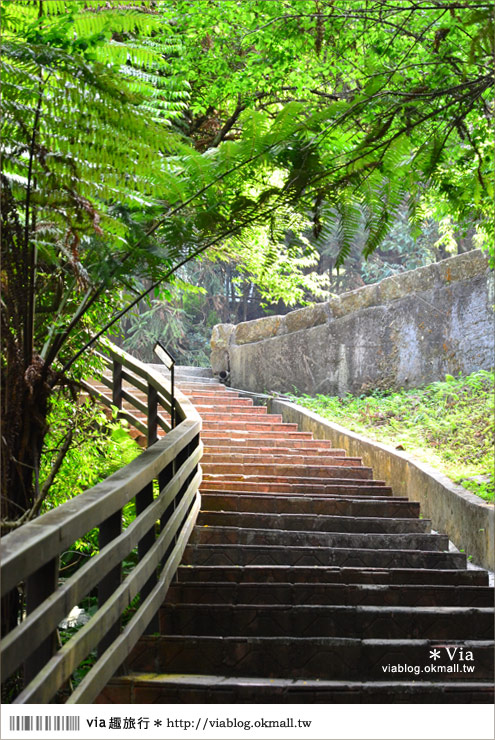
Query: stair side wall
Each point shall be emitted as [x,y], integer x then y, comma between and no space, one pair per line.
[406,331]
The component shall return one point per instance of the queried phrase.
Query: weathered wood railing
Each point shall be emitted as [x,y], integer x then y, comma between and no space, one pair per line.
[163,481]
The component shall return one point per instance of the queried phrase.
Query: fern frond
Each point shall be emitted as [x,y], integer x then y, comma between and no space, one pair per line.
[350,221]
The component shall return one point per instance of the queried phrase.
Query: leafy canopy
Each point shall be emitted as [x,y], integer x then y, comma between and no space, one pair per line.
[399,94]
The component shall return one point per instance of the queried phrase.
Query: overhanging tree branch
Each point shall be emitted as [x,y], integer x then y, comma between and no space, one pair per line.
[155,284]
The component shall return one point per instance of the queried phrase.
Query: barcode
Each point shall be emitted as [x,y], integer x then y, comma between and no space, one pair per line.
[39,723]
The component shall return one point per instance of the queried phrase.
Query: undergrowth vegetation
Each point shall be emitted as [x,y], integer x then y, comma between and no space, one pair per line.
[448,424]
[99,446]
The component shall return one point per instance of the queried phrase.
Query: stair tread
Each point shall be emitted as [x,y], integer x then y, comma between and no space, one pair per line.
[330,641]
[212,534]
[141,688]
[312,522]
[318,555]
[322,584]
[333,574]
[235,502]
[233,593]
[202,679]
[324,657]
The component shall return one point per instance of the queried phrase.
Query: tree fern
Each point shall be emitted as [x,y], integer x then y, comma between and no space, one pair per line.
[349,223]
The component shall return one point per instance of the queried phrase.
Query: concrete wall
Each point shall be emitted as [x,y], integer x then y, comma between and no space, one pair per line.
[467,520]
[406,331]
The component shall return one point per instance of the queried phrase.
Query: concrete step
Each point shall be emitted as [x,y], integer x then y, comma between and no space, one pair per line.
[366,622]
[212,396]
[146,688]
[225,592]
[291,443]
[192,370]
[180,380]
[249,426]
[311,522]
[200,384]
[230,419]
[218,535]
[356,497]
[337,493]
[264,458]
[296,453]
[308,657]
[225,407]
[283,574]
[184,370]
[241,555]
[338,486]
[291,473]
[309,505]
[233,435]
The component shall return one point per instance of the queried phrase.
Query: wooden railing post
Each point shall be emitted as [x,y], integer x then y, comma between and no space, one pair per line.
[109,530]
[152,415]
[194,444]
[39,586]
[117,384]
[143,499]
[163,478]
[173,417]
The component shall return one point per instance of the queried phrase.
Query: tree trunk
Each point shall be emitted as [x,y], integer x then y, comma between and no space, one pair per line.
[25,390]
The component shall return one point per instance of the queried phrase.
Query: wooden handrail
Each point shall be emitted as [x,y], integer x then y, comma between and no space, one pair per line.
[33,550]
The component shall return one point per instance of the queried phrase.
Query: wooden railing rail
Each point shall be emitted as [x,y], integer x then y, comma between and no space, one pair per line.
[163,481]
[154,385]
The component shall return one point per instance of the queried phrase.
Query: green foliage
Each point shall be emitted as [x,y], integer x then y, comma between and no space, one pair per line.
[399,96]
[402,249]
[449,424]
[278,259]
[99,447]
[165,319]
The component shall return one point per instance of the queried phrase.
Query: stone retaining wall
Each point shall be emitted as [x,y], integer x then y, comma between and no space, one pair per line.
[468,521]
[406,331]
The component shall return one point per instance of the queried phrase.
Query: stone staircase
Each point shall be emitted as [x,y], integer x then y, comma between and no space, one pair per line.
[306,581]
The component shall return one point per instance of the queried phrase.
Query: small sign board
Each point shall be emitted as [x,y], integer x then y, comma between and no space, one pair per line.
[164,355]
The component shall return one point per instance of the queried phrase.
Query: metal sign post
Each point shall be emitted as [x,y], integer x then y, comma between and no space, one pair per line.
[169,361]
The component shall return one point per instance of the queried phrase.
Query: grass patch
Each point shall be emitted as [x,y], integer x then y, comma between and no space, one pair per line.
[448,424]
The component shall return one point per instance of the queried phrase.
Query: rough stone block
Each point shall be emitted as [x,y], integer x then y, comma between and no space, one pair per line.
[255,331]
[463,267]
[304,318]
[219,361]
[220,339]
[333,306]
[221,335]
[355,300]
[407,283]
